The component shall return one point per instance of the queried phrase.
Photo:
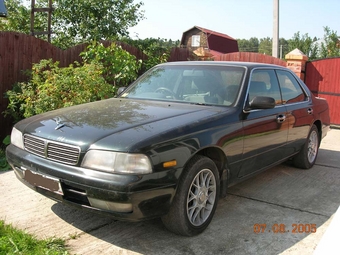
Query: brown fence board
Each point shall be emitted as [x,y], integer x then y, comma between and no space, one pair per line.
[179,54]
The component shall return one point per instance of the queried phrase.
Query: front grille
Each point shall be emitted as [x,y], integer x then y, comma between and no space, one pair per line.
[55,151]
[34,145]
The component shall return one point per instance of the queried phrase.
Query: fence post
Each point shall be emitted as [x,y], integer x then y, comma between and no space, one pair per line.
[296,61]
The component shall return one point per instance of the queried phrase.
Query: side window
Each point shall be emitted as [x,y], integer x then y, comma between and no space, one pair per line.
[264,83]
[290,88]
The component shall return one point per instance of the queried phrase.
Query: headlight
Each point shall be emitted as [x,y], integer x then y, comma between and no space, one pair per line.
[16,138]
[116,162]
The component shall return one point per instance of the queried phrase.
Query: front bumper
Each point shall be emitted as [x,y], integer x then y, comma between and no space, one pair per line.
[125,197]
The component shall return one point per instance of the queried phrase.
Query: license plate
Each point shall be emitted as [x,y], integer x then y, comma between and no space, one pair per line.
[44,182]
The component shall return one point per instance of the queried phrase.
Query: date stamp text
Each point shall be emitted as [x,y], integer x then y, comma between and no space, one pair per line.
[283,228]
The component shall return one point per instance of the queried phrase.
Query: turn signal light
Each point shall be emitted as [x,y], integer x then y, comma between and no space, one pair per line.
[171,163]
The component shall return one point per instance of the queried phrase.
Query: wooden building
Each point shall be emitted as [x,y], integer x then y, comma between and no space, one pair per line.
[207,43]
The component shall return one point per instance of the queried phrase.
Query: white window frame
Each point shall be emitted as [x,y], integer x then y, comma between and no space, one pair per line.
[195,41]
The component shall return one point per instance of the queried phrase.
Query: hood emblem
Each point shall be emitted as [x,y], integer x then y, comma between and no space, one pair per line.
[59,124]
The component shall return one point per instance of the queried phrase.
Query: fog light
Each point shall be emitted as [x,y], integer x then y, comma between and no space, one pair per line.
[110,206]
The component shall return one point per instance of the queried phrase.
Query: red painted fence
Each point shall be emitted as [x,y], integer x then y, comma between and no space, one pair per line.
[323,79]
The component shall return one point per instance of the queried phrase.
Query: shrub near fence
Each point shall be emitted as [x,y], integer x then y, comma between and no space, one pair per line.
[19,51]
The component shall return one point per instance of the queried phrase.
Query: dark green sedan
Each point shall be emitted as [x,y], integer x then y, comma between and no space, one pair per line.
[172,142]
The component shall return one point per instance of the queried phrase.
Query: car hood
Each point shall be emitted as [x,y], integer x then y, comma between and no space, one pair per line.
[118,124]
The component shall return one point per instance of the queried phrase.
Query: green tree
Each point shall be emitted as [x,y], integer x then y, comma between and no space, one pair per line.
[265,46]
[283,47]
[243,45]
[251,45]
[331,45]
[304,43]
[18,18]
[76,21]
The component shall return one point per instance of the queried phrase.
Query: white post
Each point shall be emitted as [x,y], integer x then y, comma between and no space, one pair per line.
[275,45]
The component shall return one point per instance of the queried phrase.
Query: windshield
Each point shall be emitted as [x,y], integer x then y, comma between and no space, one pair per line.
[217,85]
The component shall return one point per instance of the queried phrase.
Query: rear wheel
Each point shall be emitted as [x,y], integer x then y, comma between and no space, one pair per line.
[308,154]
[196,198]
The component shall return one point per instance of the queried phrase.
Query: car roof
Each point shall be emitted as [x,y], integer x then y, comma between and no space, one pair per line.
[221,63]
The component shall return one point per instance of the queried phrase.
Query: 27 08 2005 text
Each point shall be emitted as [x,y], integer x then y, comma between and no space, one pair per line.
[295,228]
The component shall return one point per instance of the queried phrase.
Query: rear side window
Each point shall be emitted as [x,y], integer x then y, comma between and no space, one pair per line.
[290,88]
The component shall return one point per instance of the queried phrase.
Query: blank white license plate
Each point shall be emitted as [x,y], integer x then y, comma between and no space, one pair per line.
[43,182]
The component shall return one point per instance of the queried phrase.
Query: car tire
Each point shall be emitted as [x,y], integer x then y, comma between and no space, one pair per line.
[196,198]
[306,158]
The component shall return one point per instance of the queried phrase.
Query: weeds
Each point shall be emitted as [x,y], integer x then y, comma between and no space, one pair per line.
[13,241]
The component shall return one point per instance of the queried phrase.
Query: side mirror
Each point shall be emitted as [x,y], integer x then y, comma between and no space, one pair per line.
[260,102]
[120,90]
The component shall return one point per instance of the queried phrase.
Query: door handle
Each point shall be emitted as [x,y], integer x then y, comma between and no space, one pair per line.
[310,111]
[280,118]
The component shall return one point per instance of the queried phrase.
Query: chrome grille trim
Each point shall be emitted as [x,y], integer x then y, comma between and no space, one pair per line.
[34,145]
[55,151]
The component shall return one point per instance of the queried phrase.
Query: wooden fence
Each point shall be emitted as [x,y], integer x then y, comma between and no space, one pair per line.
[250,57]
[180,54]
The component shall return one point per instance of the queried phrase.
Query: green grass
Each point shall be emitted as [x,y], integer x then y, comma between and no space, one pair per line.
[13,241]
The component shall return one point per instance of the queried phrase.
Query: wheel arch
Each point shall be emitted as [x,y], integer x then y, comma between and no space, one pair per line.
[318,124]
[218,157]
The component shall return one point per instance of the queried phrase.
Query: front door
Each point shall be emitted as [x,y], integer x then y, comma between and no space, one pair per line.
[265,130]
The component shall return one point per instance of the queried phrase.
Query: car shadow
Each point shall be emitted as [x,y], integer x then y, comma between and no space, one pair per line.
[259,215]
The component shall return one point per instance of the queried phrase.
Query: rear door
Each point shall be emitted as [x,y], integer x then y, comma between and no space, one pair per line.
[299,110]
[265,130]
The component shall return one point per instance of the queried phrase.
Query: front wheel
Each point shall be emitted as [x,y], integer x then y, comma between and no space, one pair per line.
[307,156]
[196,198]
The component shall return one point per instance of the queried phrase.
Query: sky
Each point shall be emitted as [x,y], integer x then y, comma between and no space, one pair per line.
[240,19]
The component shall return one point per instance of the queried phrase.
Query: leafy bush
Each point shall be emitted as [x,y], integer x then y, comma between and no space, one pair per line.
[52,87]
[120,68]
[3,162]
[157,50]
[156,55]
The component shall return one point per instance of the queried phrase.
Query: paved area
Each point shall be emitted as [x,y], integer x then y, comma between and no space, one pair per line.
[283,197]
